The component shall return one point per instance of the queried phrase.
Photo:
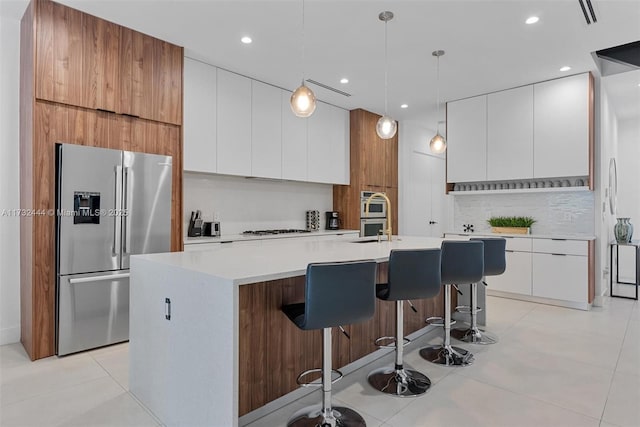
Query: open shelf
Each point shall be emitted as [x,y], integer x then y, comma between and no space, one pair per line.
[521,191]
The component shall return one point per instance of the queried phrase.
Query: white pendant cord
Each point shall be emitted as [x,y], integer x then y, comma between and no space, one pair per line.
[438,95]
[303,43]
[386,69]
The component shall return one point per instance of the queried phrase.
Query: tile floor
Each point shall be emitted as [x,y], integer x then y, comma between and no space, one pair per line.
[552,367]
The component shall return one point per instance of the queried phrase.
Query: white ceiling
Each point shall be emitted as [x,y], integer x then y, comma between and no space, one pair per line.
[488,46]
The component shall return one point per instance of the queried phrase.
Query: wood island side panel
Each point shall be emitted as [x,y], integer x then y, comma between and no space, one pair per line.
[273,351]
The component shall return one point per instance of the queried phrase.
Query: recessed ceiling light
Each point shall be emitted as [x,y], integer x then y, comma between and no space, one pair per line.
[246,40]
[532,20]
[565,68]
[404,106]
[344,80]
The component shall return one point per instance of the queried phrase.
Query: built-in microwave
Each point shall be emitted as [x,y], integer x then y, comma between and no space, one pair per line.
[372,226]
[377,206]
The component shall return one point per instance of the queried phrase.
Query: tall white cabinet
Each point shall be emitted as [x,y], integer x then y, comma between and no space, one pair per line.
[266,131]
[199,123]
[328,146]
[294,142]
[561,127]
[234,124]
[467,139]
[510,134]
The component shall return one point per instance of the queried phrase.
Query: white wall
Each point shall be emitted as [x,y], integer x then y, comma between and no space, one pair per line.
[9,180]
[242,204]
[629,187]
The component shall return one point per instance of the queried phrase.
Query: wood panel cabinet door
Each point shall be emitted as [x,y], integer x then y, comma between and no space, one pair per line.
[150,78]
[561,127]
[266,130]
[328,145]
[294,141]
[510,134]
[199,127]
[234,124]
[467,140]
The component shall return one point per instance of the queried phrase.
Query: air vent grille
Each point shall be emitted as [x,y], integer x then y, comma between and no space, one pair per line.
[333,89]
[587,11]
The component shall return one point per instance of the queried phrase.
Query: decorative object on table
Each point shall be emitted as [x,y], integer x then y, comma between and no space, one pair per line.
[438,144]
[511,224]
[467,228]
[303,100]
[623,230]
[313,220]
[386,127]
[613,186]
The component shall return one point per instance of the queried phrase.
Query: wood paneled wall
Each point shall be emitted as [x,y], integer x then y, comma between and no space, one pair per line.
[73,90]
[373,167]
[273,351]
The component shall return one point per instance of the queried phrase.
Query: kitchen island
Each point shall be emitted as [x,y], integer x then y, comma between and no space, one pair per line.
[208,342]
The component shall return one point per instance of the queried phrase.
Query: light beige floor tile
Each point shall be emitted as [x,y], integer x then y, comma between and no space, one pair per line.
[461,402]
[12,355]
[47,375]
[606,424]
[629,361]
[623,403]
[558,380]
[370,420]
[577,345]
[98,402]
[115,362]
[504,313]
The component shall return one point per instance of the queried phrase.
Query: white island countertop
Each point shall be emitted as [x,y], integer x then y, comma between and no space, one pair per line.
[584,237]
[245,237]
[249,263]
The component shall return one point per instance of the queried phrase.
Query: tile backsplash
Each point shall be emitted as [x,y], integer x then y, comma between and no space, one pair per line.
[555,213]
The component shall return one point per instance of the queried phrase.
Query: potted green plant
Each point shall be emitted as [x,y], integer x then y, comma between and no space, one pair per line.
[511,224]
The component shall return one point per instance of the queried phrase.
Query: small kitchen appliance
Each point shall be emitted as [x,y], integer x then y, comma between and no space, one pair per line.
[333,220]
[211,229]
[376,221]
[195,224]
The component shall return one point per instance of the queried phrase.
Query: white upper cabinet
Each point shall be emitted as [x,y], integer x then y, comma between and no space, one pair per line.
[561,127]
[234,124]
[510,134]
[467,140]
[199,116]
[266,131]
[328,145]
[294,142]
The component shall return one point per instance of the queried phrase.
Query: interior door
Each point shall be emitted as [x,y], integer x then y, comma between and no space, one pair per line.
[146,225]
[437,221]
[87,198]
[425,197]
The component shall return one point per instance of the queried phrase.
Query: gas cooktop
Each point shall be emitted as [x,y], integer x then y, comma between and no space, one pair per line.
[281,231]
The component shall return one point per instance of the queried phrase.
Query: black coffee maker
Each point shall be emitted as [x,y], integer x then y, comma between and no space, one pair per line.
[333,220]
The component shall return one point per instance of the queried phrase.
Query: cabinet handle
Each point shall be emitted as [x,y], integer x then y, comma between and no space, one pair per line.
[559,254]
[432,222]
[167,308]
[560,239]
[508,250]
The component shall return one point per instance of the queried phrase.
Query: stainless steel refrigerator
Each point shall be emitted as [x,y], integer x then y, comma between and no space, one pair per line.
[110,204]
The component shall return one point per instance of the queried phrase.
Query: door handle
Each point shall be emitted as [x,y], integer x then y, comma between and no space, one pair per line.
[167,308]
[432,222]
[115,217]
[98,278]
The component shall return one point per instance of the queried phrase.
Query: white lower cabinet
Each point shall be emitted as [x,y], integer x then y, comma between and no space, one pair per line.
[560,276]
[516,277]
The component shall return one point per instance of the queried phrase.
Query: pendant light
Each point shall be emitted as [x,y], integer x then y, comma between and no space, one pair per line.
[438,144]
[303,100]
[386,127]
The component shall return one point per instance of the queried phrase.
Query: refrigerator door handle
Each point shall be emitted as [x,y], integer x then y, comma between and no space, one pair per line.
[127,216]
[117,202]
[98,278]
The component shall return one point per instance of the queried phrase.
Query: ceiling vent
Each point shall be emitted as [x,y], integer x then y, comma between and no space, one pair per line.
[333,89]
[587,11]
[618,59]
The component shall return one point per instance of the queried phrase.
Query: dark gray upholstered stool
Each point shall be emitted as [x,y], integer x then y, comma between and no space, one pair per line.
[462,262]
[413,274]
[494,264]
[339,293]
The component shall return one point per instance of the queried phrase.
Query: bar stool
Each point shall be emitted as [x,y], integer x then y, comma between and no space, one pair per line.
[338,293]
[413,274]
[462,262]
[494,264]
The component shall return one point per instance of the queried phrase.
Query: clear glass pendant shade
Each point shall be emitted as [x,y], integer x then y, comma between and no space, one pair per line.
[438,144]
[386,127]
[303,102]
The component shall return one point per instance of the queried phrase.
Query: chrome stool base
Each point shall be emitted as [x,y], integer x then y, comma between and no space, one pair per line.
[447,355]
[313,416]
[474,336]
[399,382]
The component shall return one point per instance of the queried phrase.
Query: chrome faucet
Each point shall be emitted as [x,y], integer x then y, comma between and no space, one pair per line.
[388,231]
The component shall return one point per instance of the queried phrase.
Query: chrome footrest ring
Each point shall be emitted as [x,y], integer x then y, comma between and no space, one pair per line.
[318,384]
[391,345]
[431,321]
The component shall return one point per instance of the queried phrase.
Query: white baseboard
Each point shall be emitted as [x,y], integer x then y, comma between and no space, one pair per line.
[10,335]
